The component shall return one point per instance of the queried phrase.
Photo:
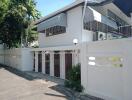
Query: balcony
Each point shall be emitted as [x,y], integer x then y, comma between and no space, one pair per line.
[94,21]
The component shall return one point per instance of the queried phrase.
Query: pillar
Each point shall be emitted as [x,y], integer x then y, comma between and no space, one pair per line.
[51,63]
[36,61]
[84,66]
[62,65]
[43,62]
[75,57]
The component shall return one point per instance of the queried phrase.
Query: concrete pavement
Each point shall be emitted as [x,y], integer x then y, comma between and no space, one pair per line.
[15,87]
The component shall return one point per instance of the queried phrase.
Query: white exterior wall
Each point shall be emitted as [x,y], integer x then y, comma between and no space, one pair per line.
[73,31]
[104,79]
[74,27]
[13,58]
[20,59]
[87,36]
[1,56]
[27,60]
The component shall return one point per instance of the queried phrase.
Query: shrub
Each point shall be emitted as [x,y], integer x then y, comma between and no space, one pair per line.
[74,79]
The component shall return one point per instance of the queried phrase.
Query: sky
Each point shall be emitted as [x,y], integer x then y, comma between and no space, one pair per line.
[48,6]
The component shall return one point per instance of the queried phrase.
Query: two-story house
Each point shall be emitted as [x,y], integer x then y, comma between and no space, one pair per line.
[62,32]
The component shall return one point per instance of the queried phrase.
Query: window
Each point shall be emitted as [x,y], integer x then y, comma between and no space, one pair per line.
[98,26]
[117,19]
[55,30]
[126,31]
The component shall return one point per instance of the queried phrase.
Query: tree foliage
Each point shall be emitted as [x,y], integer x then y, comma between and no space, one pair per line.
[16,22]
[3,8]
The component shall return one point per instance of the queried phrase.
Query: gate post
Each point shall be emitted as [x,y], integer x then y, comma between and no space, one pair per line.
[51,63]
[62,65]
[84,63]
[43,62]
[36,61]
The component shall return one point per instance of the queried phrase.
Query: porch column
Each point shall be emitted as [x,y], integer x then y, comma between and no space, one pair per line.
[43,62]
[75,57]
[79,56]
[62,65]
[51,63]
[84,66]
[36,61]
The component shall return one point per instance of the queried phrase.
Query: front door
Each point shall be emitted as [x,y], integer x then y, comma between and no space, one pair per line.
[68,63]
[40,62]
[57,65]
[47,64]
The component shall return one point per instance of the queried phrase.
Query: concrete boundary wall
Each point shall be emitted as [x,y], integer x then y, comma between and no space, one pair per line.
[19,58]
[107,69]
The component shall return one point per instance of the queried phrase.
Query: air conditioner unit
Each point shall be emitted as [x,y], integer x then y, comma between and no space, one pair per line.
[101,36]
[109,36]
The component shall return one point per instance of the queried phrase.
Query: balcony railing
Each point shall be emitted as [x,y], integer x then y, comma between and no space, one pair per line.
[98,26]
[121,31]
[125,30]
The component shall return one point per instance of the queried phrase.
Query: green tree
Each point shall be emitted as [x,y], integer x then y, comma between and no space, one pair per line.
[16,22]
[3,8]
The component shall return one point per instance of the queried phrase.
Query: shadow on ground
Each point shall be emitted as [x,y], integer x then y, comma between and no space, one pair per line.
[33,75]
[61,89]
[17,72]
[67,93]
[72,95]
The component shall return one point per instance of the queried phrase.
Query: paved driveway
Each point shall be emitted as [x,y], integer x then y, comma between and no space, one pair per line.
[15,87]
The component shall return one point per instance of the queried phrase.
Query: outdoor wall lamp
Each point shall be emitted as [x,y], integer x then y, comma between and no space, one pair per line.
[75,41]
[46,52]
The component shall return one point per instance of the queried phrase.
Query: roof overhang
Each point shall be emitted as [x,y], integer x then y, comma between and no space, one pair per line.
[73,5]
[123,5]
[58,48]
[58,20]
[93,15]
